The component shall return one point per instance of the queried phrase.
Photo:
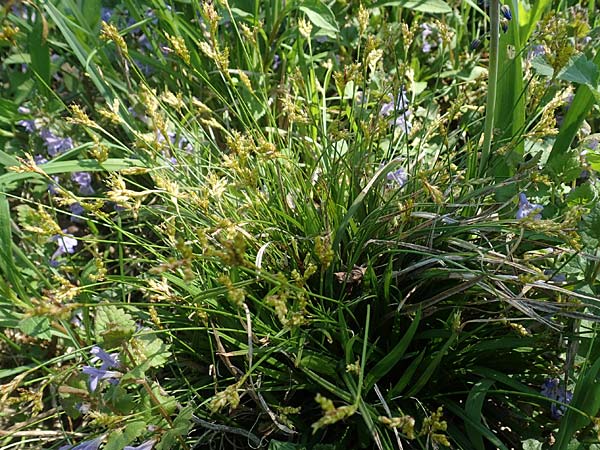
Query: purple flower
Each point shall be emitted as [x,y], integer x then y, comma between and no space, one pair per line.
[552,390]
[55,144]
[28,124]
[83,408]
[106,14]
[527,208]
[401,104]
[109,361]
[53,187]
[399,109]
[84,180]
[66,244]
[145,446]
[425,33]
[77,212]
[276,62]
[39,159]
[399,176]
[100,374]
[86,445]
[536,50]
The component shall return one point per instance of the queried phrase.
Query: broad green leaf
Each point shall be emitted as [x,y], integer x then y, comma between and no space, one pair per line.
[112,326]
[589,229]
[181,426]
[320,15]
[541,66]
[426,6]
[37,327]
[151,352]
[578,110]
[119,439]
[532,444]
[580,70]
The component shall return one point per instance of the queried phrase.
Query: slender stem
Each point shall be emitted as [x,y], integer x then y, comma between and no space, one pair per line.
[490,106]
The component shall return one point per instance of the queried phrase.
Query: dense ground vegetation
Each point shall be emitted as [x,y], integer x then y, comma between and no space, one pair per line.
[299,224]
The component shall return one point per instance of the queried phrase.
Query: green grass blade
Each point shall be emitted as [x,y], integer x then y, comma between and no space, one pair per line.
[392,358]
[473,407]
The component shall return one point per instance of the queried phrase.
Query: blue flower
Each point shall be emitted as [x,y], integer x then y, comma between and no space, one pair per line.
[39,159]
[106,13]
[425,33]
[66,244]
[86,445]
[536,50]
[28,124]
[505,10]
[109,361]
[96,375]
[400,177]
[400,110]
[552,390]
[145,446]
[276,62]
[527,209]
[55,144]
[84,180]
[77,212]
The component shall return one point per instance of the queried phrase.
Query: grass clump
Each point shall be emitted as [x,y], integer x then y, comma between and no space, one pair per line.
[297,225]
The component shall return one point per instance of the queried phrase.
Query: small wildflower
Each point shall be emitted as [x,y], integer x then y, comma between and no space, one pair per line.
[276,62]
[527,208]
[84,180]
[93,444]
[145,446]
[109,361]
[77,212]
[505,11]
[475,44]
[504,25]
[426,31]
[536,50]
[66,244]
[83,408]
[105,14]
[39,159]
[28,124]
[399,112]
[99,374]
[552,390]
[399,176]
[54,144]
